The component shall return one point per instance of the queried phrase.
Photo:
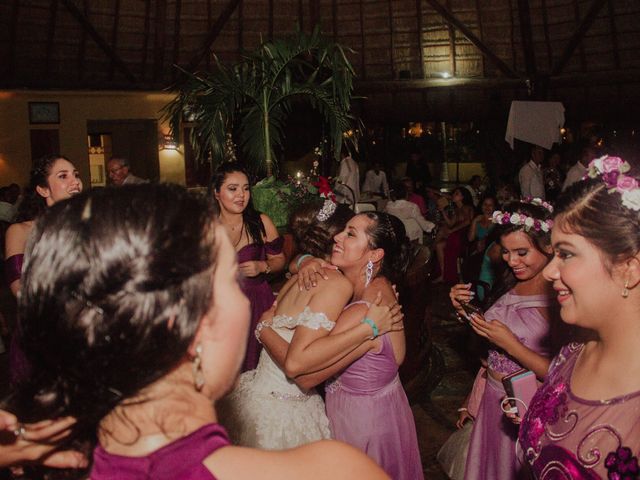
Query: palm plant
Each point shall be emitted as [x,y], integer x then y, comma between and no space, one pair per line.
[252,99]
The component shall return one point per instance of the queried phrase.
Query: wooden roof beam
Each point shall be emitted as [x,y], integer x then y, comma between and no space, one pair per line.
[213,34]
[104,46]
[466,31]
[577,37]
[524,13]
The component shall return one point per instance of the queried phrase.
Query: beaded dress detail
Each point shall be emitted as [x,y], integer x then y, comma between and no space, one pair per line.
[565,436]
[268,410]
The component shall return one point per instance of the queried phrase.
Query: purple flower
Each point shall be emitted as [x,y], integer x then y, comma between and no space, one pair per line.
[610,179]
[611,164]
[625,183]
[622,465]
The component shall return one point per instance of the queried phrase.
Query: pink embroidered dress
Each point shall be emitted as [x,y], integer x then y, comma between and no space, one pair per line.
[566,437]
[492,448]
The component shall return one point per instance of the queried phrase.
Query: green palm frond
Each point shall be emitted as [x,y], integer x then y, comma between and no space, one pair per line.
[253,98]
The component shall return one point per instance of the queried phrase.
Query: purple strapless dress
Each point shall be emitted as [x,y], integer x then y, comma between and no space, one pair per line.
[492,447]
[368,408]
[567,437]
[18,364]
[179,460]
[258,292]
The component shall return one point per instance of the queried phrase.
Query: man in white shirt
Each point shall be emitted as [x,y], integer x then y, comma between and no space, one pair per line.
[579,170]
[414,223]
[375,182]
[348,176]
[531,177]
[119,173]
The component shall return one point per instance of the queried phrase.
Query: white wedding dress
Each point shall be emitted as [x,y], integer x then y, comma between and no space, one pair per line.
[266,409]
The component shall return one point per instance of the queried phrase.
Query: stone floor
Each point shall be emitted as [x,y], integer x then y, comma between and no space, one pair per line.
[435,401]
[435,398]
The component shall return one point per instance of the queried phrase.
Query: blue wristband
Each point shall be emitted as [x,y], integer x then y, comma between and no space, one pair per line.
[372,324]
[301,259]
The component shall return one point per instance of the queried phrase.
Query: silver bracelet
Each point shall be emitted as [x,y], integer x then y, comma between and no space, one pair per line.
[463,409]
[258,330]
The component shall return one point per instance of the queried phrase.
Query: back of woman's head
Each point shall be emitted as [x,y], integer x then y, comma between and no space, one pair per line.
[32,203]
[314,236]
[388,233]
[589,209]
[115,283]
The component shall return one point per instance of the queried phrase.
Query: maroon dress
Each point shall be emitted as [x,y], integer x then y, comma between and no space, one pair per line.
[18,365]
[258,292]
[179,460]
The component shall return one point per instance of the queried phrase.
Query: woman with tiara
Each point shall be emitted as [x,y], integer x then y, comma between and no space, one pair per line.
[584,422]
[266,409]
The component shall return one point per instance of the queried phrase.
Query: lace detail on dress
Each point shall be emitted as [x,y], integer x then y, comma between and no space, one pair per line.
[501,363]
[306,318]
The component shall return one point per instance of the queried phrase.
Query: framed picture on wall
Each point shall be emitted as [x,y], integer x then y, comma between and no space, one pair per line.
[44,112]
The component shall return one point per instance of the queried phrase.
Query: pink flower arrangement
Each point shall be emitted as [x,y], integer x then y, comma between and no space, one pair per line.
[612,171]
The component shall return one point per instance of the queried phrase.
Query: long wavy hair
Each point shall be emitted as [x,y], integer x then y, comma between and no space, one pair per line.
[250,216]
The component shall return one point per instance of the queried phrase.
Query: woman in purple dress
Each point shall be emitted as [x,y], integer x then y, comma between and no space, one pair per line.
[518,325]
[53,178]
[134,324]
[584,422]
[255,238]
[366,404]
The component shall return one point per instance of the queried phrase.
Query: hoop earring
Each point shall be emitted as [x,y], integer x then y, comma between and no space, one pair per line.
[198,375]
[625,291]
[368,273]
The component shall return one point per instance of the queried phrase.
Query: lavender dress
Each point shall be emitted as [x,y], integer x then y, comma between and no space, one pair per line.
[258,292]
[492,448]
[566,437]
[179,460]
[367,408]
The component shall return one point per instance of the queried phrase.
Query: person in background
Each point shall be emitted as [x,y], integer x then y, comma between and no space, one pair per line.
[348,184]
[414,197]
[482,225]
[375,182]
[8,208]
[120,174]
[584,421]
[135,325]
[256,240]
[531,177]
[400,206]
[53,178]
[553,176]
[474,189]
[579,169]
[518,325]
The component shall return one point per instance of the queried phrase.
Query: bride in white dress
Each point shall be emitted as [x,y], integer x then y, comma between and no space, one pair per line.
[266,409]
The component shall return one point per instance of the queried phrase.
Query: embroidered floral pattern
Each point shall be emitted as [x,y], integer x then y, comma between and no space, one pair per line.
[622,465]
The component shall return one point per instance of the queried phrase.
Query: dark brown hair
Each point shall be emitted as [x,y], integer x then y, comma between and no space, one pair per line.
[313,236]
[588,209]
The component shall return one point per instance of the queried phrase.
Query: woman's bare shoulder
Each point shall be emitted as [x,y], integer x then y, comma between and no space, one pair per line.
[16,237]
[309,462]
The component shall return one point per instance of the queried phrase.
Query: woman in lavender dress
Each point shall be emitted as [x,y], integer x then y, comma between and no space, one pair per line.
[366,405]
[519,327]
[134,324]
[584,422]
[255,238]
[53,178]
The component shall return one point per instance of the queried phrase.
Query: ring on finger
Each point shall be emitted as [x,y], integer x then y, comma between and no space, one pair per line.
[20,432]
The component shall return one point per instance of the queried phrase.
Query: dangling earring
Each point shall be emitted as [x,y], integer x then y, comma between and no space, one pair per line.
[198,375]
[625,291]
[368,273]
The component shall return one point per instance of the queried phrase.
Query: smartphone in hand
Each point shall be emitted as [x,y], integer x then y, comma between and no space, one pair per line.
[470,308]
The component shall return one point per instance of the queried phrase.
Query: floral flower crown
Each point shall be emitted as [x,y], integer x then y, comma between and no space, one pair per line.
[539,202]
[520,219]
[612,171]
